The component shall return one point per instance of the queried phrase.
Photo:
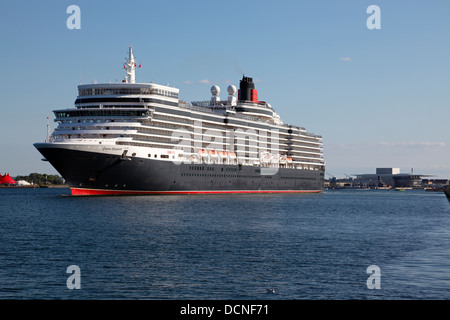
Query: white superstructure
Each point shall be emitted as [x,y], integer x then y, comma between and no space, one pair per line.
[150,120]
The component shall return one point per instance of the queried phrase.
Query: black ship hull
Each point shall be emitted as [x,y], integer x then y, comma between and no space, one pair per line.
[94,173]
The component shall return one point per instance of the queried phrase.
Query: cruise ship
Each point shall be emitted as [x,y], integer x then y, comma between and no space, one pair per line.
[130,138]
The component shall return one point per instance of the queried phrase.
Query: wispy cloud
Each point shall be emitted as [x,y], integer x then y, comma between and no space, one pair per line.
[346,59]
[404,144]
[204,81]
[410,144]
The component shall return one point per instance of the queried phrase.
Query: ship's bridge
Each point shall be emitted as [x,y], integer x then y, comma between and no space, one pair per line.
[125,94]
[120,89]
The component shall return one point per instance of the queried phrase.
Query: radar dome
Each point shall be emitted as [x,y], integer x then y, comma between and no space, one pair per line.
[215,90]
[231,90]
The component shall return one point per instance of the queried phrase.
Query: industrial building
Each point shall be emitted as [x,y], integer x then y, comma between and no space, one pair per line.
[389,177]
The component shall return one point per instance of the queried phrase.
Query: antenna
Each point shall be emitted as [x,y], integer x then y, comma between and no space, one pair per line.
[48,130]
[130,67]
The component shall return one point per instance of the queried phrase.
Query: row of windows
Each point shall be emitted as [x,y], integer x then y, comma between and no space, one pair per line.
[201,168]
[162,156]
[170,118]
[103,101]
[217,175]
[302,178]
[305,136]
[102,113]
[239,176]
[124,91]
[264,138]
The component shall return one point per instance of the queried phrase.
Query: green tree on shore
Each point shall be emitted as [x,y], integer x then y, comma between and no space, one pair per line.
[41,179]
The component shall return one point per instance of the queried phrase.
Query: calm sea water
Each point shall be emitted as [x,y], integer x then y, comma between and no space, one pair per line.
[315,246]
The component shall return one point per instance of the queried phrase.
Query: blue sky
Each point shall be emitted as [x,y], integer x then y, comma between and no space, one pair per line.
[379,98]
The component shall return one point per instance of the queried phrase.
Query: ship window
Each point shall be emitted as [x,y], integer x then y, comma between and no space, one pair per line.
[164,156]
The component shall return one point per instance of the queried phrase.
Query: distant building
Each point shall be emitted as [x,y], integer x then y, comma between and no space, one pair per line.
[388,170]
[389,177]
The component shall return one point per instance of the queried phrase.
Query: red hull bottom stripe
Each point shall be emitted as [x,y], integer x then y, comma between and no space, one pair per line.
[99,192]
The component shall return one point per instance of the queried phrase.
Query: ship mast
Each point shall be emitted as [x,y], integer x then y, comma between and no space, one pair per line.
[48,130]
[130,67]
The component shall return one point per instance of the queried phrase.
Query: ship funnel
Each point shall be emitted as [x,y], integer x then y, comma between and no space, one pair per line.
[247,91]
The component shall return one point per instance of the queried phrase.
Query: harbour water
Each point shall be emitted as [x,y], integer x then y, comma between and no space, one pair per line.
[308,246]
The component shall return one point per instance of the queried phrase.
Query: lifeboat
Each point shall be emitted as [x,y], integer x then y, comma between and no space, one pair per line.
[222,154]
[213,154]
[194,158]
[283,159]
[275,158]
[232,155]
[203,152]
[289,160]
[266,157]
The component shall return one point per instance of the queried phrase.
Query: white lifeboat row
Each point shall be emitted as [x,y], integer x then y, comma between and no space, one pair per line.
[267,157]
[214,154]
